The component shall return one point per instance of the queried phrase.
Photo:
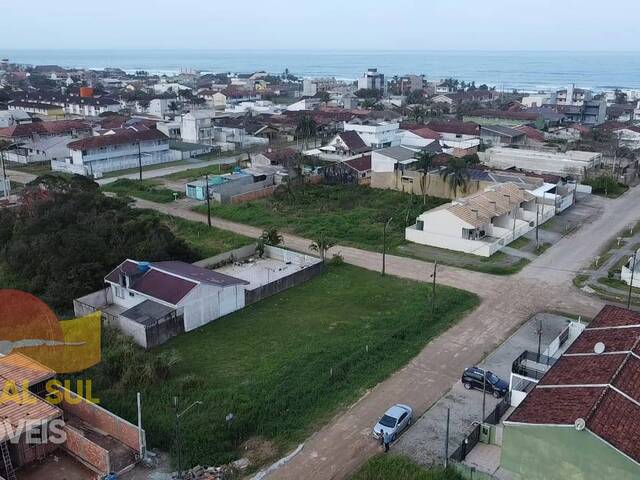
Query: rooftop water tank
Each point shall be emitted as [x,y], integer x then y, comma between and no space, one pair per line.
[86,92]
[143,266]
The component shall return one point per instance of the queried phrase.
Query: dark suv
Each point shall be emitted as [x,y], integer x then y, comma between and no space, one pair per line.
[474,377]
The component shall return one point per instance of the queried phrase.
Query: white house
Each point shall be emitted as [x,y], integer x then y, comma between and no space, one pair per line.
[158,107]
[41,150]
[419,137]
[372,80]
[170,291]
[482,223]
[117,150]
[536,100]
[164,87]
[197,127]
[374,133]
[304,104]
[391,159]
[629,136]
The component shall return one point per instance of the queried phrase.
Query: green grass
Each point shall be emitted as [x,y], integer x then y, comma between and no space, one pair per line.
[540,249]
[520,243]
[199,172]
[497,264]
[580,280]
[351,215]
[605,186]
[33,168]
[146,189]
[395,467]
[618,284]
[145,168]
[286,365]
[205,241]
[619,264]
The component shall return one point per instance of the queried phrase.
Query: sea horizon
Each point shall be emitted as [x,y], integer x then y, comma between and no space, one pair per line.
[525,70]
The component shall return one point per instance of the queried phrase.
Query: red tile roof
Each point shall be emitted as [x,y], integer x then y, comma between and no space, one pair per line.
[617,421]
[556,406]
[602,389]
[57,127]
[119,138]
[532,133]
[353,141]
[462,128]
[362,164]
[615,340]
[426,132]
[612,316]
[584,370]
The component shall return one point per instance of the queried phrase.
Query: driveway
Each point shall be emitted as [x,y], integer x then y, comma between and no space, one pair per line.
[343,445]
[424,442]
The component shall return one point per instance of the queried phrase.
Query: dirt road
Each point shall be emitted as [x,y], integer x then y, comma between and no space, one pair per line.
[344,444]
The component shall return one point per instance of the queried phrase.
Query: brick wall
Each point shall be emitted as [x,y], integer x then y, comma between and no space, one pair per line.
[104,421]
[86,451]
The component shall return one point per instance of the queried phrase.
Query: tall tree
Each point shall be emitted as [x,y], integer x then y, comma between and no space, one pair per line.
[306,129]
[425,162]
[456,174]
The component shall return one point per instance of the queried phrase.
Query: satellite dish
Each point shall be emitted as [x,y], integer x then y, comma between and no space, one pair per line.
[580,424]
[599,348]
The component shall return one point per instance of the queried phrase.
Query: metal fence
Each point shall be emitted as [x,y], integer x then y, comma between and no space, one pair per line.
[532,365]
[474,437]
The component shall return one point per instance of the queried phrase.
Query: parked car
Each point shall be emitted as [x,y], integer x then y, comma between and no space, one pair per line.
[474,377]
[394,421]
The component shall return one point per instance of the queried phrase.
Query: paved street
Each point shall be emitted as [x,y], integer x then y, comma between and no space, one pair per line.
[343,445]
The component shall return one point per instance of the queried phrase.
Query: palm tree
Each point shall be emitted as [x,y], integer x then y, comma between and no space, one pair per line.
[272,237]
[306,128]
[418,113]
[425,162]
[456,174]
[173,106]
[322,245]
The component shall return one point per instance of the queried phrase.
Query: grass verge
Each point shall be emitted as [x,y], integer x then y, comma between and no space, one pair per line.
[285,365]
[199,172]
[205,241]
[146,189]
[396,467]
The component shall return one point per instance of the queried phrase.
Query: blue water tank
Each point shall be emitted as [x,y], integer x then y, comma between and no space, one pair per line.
[143,266]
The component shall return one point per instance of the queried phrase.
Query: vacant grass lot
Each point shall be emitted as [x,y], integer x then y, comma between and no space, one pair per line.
[285,365]
[205,241]
[199,172]
[388,467]
[351,215]
[145,189]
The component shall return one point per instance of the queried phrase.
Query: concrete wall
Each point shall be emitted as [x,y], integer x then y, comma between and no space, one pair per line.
[253,195]
[535,452]
[103,420]
[301,276]
[168,328]
[90,454]
[409,182]
[242,252]
[206,303]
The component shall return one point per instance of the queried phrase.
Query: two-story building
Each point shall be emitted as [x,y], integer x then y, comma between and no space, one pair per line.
[118,149]
[375,133]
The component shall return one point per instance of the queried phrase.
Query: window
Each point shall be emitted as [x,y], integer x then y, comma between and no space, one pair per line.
[406,180]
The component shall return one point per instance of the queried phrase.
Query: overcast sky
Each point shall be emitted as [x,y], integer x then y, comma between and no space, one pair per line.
[322,24]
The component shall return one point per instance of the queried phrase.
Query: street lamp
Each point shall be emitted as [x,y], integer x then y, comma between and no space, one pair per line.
[384,245]
[177,427]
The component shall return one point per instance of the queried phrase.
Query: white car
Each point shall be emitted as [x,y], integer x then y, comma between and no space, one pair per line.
[394,421]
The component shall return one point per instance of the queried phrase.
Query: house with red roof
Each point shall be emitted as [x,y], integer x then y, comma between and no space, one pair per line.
[582,417]
[116,149]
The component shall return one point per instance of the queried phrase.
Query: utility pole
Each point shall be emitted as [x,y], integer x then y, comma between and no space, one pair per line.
[539,331]
[446,443]
[433,292]
[177,429]
[5,184]
[484,393]
[537,224]
[384,245]
[140,160]
[206,189]
[633,271]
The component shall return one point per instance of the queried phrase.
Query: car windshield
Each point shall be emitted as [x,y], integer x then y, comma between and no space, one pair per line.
[388,421]
[493,378]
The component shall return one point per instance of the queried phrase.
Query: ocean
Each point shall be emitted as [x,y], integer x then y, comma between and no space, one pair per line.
[523,70]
